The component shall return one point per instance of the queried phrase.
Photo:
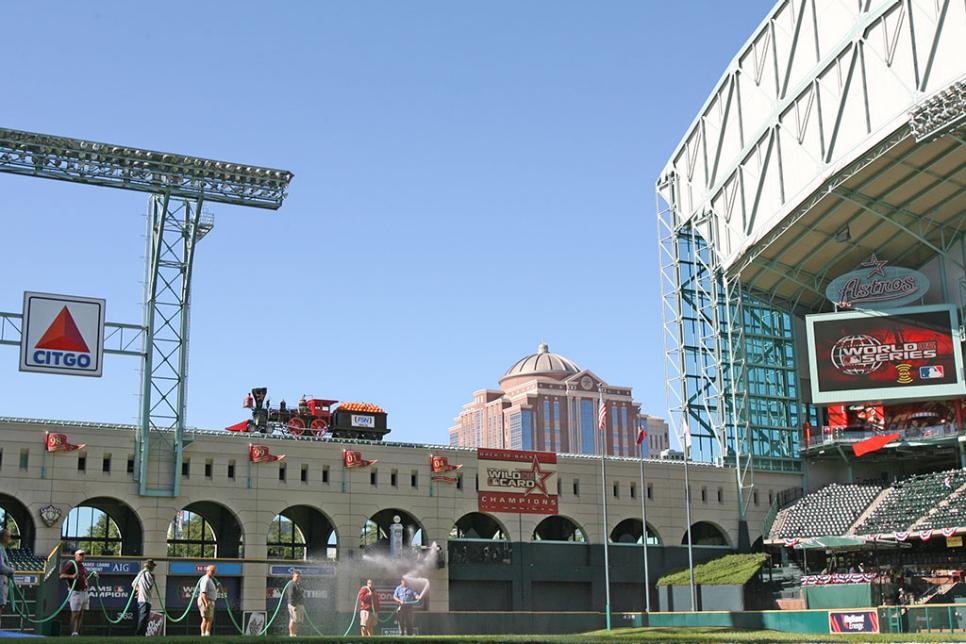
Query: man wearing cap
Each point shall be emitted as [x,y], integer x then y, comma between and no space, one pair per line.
[207,596]
[143,584]
[75,574]
[6,570]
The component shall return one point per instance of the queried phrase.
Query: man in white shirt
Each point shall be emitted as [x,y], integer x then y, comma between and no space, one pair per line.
[207,596]
[143,584]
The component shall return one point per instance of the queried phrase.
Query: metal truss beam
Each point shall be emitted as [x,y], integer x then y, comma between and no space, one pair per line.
[119,339]
[174,228]
[116,166]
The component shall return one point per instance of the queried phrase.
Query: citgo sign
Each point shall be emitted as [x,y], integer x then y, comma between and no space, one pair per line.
[62,334]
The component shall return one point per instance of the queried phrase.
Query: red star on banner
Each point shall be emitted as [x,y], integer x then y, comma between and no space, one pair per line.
[539,479]
[876,266]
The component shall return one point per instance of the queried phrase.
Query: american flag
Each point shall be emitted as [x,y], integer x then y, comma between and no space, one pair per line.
[602,416]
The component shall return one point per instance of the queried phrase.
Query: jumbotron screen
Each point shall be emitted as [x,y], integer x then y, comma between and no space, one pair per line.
[911,353]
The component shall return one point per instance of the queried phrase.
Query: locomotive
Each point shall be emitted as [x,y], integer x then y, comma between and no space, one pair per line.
[315,417]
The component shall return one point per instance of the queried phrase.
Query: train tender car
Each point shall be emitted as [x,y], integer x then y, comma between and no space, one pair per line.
[314,417]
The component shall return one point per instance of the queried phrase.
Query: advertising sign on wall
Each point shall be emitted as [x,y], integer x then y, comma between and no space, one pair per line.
[517,481]
[853,621]
[911,353]
[62,334]
[877,286]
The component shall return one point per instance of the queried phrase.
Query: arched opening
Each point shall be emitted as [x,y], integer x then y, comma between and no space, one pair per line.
[629,531]
[477,525]
[302,532]
[704,533]
[103,526]
[15,517]
[558,528]
[375,534]
[205,530]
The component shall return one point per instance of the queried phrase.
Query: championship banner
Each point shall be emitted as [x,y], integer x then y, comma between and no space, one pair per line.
[440,465]
[853,621]
[885,355]
[261,454]
[60,443]
[354,459]
[517,481]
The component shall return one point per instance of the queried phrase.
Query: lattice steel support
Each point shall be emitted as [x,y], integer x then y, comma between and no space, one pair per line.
[174,228]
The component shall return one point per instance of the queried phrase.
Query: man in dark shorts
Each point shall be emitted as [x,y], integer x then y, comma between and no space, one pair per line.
[406,598]
[295,598]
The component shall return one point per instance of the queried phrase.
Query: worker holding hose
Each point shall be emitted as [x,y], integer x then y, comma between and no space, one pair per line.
[6,570]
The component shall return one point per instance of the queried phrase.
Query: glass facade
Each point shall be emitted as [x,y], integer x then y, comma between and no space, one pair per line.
[768,395]
[547,441]
[526,429]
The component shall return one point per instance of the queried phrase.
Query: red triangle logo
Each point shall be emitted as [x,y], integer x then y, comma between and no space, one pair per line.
[63,335]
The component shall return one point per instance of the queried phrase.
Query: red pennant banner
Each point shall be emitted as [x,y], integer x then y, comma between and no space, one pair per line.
[440,465]
[59,443]
[874,444]
[261,454]
[353,459]
[238,427]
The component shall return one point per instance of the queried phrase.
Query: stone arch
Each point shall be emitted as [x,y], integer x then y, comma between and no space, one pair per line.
[205,529]
[629,531]
[706,533]
[15,516]
[479,525]
[559,528]
[375,533]
[302,532]
[104,525]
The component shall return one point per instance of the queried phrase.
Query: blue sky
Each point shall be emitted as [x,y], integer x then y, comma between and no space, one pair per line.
[471,178]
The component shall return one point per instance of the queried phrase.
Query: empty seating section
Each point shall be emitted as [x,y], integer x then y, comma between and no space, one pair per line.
[912,499]
[830,511]
[23,560]
[951,513]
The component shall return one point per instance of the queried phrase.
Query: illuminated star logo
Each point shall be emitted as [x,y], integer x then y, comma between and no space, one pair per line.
[876,266]
[539,478]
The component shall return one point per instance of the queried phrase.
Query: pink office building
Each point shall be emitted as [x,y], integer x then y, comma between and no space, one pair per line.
[546,402]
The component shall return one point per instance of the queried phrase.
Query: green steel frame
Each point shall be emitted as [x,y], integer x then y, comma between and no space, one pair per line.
[179,186]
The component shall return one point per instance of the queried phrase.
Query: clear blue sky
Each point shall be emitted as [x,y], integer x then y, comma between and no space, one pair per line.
[470,178]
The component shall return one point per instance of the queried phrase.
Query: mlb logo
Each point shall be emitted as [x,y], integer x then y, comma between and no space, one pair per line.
[935,371]
[62,334]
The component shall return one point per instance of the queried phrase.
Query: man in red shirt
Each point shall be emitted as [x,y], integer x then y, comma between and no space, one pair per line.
[368,607]
[75,574]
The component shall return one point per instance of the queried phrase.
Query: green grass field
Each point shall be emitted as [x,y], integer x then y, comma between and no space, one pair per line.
[617,635]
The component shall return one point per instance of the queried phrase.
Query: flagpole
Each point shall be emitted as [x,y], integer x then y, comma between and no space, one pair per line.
[647,577]
[687,497]
[601,420]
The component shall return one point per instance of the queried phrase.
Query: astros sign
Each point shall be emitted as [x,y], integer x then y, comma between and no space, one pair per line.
[62,334]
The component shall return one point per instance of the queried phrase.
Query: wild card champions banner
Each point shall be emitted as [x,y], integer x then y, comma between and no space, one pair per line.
[517,481]
[866,355]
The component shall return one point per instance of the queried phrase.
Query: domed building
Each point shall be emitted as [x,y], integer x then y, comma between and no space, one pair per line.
[547,402]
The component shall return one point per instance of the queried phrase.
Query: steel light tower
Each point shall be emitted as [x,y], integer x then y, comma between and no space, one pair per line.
[178,186]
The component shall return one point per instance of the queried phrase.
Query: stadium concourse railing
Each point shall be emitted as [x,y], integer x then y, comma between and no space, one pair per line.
[832,435]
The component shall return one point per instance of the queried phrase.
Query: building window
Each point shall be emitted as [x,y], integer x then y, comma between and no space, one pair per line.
[394,478]
[576,487]
[771,498]
[285,539]
[754,496]
[633,490]
[130,465]
[231,470]
[186,468]
[459,481]
[281,473]
[305,474]
[81,463]
[704,494]
[24,459]
[325,473]
[209,467]
[617,492]
[106,464]
[526,429]
[414,478]
[587,427]
[190,536]
[92,530]
[373,477]
[720,495]
[650,492]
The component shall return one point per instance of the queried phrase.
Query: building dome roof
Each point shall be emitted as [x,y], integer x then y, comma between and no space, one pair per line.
[542,363]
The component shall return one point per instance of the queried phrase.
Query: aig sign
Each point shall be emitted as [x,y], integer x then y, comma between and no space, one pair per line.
[62,334]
